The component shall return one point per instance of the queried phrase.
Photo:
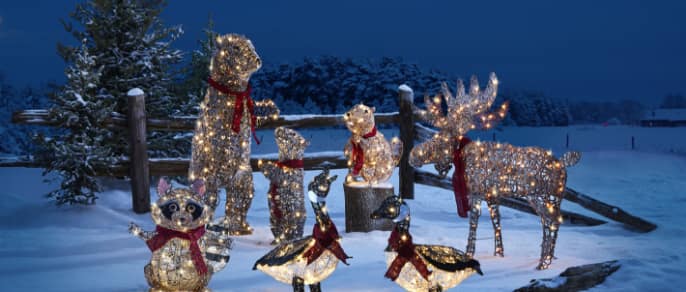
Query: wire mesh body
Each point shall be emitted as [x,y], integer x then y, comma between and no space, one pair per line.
[378,156]
[286,199]
[221,151]
[493,170]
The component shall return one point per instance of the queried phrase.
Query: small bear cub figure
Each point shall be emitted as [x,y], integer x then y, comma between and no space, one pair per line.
[371,158]
[286,193]
[184,253]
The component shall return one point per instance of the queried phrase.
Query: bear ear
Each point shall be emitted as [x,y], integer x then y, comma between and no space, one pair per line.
[199,187]
[163,186]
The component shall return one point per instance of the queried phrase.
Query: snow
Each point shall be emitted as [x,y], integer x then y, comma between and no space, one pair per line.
[87,248]
[79,98]
[405,87]
[135,92]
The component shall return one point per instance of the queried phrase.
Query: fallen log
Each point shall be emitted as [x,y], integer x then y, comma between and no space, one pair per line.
[431,179]
[574,278]
[609,211]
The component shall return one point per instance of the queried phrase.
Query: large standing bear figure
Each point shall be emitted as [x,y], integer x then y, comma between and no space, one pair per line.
[228,117]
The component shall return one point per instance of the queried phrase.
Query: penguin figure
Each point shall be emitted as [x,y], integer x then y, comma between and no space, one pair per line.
[308,260]
[420,267]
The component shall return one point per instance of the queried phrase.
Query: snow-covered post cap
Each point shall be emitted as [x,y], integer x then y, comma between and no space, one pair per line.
[405,88]
[135,92]
[406,92]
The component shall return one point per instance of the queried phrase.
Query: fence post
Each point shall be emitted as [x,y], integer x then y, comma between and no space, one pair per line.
[139,171]
[406,124]
[633,143]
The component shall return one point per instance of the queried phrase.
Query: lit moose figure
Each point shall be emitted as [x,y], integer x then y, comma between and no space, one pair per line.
[228,117]
[489,170]
[184,253]
[371,159]
[286,196]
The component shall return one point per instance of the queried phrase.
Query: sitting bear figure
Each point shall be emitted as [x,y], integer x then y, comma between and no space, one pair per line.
[286,194]
[184,253]
[227,119]
[371,158]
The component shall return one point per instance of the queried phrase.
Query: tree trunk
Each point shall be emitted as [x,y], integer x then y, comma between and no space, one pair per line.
[360,202]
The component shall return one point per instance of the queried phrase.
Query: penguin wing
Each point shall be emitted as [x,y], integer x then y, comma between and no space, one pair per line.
[284,252]
[446,258]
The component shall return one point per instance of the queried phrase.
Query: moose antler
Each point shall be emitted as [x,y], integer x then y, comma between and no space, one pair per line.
[465,112]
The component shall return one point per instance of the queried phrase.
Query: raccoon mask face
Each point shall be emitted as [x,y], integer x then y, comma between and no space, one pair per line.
[181,209]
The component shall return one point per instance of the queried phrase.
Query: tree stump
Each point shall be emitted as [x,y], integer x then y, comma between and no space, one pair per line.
[360,201]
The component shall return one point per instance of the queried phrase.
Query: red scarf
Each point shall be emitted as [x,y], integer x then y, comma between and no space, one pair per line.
[327,239]
[274,187]
[460,178]
[163,235]
[238,110]
[358,153]
[406,253]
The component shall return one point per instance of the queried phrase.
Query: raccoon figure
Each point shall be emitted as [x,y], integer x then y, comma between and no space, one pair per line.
[371,158]
[286,194]
[185,253]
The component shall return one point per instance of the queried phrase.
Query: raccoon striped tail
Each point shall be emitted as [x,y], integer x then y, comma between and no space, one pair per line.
[396,150]
[570,158]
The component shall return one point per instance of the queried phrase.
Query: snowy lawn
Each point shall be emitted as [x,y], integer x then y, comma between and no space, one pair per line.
[46,248]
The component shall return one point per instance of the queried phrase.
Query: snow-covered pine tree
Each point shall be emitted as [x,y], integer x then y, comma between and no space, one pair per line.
[127,38]
[193,83]
[81,107]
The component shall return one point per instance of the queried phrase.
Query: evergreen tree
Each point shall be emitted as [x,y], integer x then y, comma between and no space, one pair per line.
[130,43]
[81,107]
[194,81]
[127,38]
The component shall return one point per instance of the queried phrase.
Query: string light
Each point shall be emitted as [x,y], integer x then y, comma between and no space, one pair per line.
[491,169]
[286,192]
[184,253]
[311,259]
[221,142]
[371,158]
[420,267]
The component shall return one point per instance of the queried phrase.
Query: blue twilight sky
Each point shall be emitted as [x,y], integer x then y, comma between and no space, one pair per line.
[592,50]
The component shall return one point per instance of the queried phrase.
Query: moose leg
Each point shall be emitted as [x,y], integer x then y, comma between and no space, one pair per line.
[495,219]
[298,284]
[316,287]
[239,196]
[549,210]
[474,214]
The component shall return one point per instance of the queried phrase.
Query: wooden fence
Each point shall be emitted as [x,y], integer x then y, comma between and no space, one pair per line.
[139,171]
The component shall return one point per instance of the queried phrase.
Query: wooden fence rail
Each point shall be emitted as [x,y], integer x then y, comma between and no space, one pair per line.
[404,119]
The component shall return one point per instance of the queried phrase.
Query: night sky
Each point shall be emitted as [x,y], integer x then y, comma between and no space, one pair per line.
[591,50]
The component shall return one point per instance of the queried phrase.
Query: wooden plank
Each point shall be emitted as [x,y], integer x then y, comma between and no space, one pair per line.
[427,178]
[187,123]
[179,166]
[406,124]
[609,211]
[140,172]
